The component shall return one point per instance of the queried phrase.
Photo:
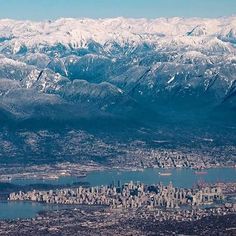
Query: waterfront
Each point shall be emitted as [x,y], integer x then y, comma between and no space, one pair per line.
[183,178]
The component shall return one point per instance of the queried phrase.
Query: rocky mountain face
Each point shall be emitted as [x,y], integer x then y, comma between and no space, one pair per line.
[133,70]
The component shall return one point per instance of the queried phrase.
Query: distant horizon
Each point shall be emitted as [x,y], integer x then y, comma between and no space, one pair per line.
[117,17]
[103,9]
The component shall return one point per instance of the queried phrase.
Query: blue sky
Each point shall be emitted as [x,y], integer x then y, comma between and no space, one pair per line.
[51,9]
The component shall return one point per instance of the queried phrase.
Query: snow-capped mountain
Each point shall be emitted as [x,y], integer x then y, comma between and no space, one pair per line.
[73,68]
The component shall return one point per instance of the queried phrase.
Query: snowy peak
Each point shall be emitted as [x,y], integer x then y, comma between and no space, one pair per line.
[78,32]
[86,67]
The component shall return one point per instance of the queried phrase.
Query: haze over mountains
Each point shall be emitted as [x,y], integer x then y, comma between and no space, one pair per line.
[136,70]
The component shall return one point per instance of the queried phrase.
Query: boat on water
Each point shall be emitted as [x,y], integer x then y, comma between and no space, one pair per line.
[200,172]
[50,177]
[164,173]
[137,169]
[81,176]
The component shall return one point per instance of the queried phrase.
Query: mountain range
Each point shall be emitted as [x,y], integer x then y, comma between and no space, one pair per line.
[134,70]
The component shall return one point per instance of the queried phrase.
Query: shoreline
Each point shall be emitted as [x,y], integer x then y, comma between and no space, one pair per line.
[51,176]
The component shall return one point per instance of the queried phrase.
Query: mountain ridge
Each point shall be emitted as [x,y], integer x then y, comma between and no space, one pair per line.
[170,67]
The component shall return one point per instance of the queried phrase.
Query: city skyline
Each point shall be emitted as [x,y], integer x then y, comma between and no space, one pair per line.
[45,10]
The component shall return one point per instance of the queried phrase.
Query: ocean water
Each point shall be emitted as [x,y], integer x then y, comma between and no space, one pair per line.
[10,210]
